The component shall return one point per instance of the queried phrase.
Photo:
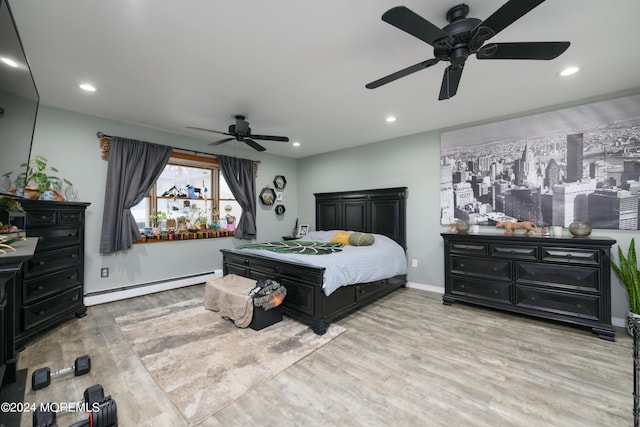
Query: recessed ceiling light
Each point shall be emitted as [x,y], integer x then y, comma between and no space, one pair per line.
[296,144]
[87,87]
[10,62]
[390,119]
[568,71]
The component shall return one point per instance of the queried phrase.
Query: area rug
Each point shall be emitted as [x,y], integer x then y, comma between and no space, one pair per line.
[203,362]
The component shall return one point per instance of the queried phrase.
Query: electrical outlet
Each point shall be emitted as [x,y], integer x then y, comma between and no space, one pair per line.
[104,272]
[414,263]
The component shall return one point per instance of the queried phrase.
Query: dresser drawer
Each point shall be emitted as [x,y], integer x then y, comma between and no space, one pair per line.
[45,286]
[481,267]
[481,289]
[573,278]
[571,255]
[50,261]
[49,308]
[558,302]
[519,252]
[469,248]
[41,217]
[70,217]
[56,237]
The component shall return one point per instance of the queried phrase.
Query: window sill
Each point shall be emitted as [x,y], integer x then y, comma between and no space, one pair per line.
[175,237]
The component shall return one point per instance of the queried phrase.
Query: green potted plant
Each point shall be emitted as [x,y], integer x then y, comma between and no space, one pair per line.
[629,276]
[37,173]
[156,219]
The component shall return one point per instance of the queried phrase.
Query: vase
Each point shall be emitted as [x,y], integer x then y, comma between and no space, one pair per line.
[631,318]
[462,226]
[580,228]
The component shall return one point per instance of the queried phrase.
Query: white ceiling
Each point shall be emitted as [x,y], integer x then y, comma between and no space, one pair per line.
[298,68]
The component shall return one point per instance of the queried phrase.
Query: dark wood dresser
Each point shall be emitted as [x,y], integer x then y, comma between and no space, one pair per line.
[52,286]
[559,278]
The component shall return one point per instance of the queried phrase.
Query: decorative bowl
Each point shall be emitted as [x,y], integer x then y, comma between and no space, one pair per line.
[580,228]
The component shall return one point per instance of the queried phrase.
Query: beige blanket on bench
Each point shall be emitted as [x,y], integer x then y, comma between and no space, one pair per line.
[226,295]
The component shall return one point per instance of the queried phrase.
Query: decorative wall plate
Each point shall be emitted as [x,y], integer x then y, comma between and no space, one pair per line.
[279,182]
[280,209]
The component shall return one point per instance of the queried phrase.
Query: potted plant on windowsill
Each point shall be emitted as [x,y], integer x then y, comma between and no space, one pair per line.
[156,219]
[628,274]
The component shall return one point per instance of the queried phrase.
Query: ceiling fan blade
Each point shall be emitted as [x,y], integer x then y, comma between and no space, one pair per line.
[405,72]
[410,22]
[450,81]
[251,143]
[270,138]
[510,12]
[207,130]
[222,141]
[524,50]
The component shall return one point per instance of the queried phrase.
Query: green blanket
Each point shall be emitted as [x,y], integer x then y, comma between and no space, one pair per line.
[302,247]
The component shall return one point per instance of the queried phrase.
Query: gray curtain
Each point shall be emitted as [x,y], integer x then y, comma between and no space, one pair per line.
[239,175]
[134,166]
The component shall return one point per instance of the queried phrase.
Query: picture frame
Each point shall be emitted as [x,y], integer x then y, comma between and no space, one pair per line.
[280,209]
[303,230]
[279,196]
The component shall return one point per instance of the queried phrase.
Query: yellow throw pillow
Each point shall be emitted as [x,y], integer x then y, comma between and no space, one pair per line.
[341,237]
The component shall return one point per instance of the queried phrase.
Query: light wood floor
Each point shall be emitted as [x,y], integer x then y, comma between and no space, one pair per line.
[406,360]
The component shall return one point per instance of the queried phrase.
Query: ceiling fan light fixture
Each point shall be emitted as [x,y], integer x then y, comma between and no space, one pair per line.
[296,144]
[390,119]
[87,87]
[569,71]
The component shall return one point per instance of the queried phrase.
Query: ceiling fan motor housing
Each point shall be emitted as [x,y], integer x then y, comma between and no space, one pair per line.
[459,31]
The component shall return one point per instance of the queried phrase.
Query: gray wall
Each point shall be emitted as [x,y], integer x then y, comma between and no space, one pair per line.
[414,162]
[68,140]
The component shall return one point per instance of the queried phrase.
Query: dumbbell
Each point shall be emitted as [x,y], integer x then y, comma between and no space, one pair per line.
[41,378]
[105,416]
[45,415]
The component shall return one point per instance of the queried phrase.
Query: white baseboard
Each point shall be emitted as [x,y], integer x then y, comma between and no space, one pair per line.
[428,288]
[615,321]
[139,290]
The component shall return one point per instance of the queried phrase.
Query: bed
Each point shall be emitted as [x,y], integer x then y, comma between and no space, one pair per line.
[381,212]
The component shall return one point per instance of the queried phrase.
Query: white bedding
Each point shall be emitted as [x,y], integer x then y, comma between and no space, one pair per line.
[354,264]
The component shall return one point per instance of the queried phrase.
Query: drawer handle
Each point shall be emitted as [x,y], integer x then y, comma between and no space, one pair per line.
[246,262]
[462,265]
[41,312]
[41,238]
[495,292]
[43,217]
[72,256]
[41,263]
[40,287]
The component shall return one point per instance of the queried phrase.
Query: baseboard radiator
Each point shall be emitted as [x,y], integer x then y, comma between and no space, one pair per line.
[124,292]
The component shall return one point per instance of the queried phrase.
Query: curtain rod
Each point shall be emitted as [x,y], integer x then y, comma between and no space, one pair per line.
[104,135]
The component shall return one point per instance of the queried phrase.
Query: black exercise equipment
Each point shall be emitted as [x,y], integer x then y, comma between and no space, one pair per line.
[41,378]
[106,416]
[47,417]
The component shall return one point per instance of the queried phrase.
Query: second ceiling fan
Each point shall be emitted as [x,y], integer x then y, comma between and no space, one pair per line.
[240,131]
[463,37]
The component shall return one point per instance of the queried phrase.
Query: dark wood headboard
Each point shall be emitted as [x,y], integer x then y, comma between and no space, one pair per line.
[380,211]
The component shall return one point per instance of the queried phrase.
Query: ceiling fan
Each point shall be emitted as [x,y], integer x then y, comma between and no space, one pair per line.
[463,37]
[240,131]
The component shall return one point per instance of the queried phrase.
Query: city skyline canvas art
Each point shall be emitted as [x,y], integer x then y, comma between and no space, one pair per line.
[575,164]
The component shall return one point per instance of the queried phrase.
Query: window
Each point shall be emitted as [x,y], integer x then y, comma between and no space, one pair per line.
[189,196]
